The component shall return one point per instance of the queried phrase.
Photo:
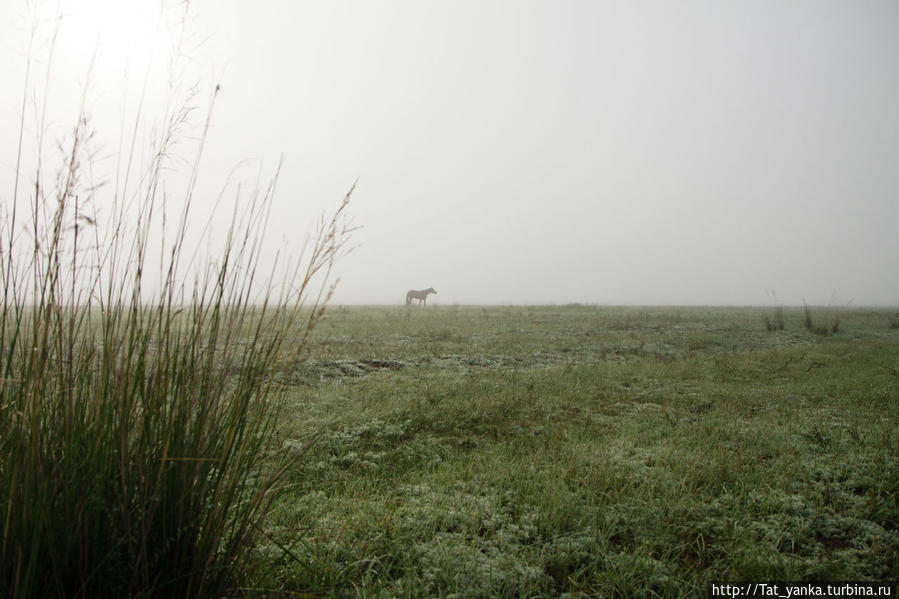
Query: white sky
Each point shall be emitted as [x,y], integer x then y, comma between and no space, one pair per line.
[512,151]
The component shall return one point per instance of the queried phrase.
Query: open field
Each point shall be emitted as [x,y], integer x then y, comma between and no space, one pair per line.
[586,451]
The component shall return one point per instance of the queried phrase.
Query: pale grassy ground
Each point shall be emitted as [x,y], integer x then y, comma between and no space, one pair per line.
[539,451]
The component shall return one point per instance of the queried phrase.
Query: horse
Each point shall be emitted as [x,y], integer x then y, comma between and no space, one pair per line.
[421,296]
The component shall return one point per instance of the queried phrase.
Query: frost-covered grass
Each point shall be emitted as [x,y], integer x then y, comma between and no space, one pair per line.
[544,451]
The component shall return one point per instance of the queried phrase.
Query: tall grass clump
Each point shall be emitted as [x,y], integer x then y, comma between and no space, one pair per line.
[775,320]
[830,327]
[137,390]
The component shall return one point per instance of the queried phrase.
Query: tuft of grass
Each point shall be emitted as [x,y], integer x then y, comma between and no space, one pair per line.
[830,327]
[775,320]
[137,414]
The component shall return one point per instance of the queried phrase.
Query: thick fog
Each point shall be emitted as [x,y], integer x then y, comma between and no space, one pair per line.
[650,152]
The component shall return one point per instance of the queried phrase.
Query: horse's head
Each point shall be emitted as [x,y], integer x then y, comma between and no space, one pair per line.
[430,290]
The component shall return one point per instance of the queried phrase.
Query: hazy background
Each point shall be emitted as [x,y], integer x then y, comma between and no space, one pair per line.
[651,152]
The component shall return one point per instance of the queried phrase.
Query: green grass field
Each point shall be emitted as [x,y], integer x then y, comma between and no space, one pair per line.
[585,451]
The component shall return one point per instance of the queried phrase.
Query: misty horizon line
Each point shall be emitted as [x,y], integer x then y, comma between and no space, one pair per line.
[842,306]
[180,307]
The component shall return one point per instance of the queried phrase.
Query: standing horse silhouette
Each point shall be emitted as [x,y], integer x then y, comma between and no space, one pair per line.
[421,296]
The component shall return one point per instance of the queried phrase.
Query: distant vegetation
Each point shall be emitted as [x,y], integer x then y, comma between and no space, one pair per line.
[774,321]
[829,326]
